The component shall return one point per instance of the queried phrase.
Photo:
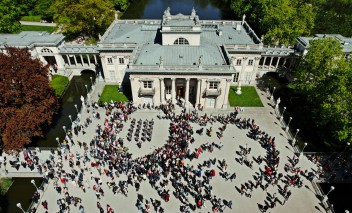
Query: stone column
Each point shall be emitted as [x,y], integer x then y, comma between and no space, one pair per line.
[264,62]
[88,58]
[68,60]
[173,90]
[82,62]
[95,59]
[277,63]
[187,91]
[284,61]
[74,57]
[199,81]
[240,79]
[226,93]
[162,90]
[271,61]
[255,70]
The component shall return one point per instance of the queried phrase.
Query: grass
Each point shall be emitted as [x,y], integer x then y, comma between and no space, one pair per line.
[111,92]
[31,18]
[5,184]
[59,83]
[49,29]
[248,98]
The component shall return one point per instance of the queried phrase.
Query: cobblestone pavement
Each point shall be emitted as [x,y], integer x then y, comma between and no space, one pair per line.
[303,199]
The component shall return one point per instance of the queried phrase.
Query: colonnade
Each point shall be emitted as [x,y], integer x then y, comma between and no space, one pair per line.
[89,59]
[276,65]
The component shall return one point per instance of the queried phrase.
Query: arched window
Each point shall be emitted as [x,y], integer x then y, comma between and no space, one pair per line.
[46,50]
[181,41]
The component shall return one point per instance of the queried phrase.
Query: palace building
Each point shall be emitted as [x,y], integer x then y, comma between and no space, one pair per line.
[179,56]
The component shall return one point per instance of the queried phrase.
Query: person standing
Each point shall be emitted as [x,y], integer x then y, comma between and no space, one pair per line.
[45,204]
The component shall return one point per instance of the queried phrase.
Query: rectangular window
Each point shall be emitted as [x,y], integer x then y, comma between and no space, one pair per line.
[235,77]
[121,60]
[250,62]
[147,84]
[168,90]
[238,62]
[109,60]
[213,85]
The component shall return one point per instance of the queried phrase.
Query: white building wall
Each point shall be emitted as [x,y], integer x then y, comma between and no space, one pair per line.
[169,39]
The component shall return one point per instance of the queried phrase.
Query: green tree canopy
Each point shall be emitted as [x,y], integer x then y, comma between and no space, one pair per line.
[27,102]
[333,17]
[121,4]
[10,14]
[83,17]
[281,21]
[326,79]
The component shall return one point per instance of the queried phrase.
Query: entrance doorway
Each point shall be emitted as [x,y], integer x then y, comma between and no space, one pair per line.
[181,92]
[210,104]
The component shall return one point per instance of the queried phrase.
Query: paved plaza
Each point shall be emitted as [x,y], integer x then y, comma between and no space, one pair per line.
[303,199]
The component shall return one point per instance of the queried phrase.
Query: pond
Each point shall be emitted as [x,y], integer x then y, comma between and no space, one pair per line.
[71,97]
[154,9]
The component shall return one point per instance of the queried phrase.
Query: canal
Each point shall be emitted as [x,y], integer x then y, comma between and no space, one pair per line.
[154,9]
[75,90]
[21,191]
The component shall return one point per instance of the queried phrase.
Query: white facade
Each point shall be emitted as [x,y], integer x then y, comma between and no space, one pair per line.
[178,56]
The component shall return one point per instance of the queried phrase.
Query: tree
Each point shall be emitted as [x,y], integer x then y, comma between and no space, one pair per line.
[83,17]
[43,9]
[286,20]
[325,77]
[333,17]
[280,21]
[10,14]
[27,102]
[121,4]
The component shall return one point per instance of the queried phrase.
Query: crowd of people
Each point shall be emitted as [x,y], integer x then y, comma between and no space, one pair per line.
[104,157]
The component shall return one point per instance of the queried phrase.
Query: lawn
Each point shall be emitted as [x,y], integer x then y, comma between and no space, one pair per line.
[111,92]
[59,83]
[49,29]
[5,184]
[248,98]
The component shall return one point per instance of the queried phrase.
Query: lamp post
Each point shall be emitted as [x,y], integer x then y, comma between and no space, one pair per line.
[58,140]
[64,127]
[70,117]
[20,206]
[301,154]
[272,94]
[282,115]
[86,89]
[288,124]
[76,108]
[33,182]
[326,196]
[294,138]
[91,80]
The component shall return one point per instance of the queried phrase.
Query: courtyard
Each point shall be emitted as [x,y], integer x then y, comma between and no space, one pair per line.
[303,199]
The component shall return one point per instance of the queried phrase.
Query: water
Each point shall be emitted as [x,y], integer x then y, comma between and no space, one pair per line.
[21,191]
[154,9]
[340,196]
[70,98]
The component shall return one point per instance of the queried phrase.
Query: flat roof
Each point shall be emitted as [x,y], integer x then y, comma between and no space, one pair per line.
[346,42]
[30,38]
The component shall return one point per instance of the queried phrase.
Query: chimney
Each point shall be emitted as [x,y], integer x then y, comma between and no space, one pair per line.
[219,32]
[238,27]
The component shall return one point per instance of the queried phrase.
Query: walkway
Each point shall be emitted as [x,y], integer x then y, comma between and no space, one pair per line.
[37,23]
